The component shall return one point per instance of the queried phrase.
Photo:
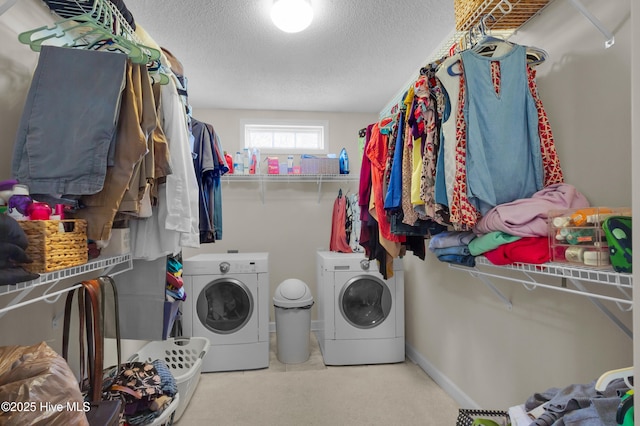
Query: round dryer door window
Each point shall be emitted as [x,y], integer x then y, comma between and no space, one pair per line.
[224,306]
[365,301]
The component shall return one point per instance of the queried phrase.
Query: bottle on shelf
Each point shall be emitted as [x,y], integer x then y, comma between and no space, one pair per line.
[238,166]
[246,161]
[344,162]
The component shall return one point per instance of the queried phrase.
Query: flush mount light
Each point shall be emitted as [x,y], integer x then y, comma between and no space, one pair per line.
[291,16]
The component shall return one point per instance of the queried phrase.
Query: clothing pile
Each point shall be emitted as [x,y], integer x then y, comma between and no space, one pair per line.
[175,286]
[13,242]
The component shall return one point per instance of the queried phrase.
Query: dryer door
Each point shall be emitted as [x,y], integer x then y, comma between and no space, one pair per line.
[225,310]
[366,307]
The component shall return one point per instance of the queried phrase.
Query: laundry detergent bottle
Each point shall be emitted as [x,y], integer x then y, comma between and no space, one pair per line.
[344,162]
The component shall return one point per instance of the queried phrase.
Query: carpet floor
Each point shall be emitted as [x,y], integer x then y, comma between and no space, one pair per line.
[311,393]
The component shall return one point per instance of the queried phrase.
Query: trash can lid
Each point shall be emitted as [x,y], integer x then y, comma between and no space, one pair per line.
[292,293]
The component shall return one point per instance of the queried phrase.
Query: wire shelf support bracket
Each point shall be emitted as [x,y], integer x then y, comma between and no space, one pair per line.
[604,279]
[608,35]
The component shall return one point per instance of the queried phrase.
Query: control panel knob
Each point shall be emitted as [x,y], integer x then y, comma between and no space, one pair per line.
[364,264]
[225,267]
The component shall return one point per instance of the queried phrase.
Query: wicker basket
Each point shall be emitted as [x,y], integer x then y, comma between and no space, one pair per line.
[320,166]
[469,12]
[55,244]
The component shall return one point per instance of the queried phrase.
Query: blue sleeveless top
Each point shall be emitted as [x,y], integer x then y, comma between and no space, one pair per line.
[503,159]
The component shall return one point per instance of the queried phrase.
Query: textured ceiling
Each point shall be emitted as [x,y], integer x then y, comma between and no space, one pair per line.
[355,57]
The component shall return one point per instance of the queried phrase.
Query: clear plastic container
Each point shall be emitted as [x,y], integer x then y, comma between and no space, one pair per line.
[576,235]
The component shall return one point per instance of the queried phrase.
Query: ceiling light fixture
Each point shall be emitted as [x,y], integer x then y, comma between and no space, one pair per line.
[291,16]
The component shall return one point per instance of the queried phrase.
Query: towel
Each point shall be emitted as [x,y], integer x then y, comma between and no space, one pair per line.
[527,217]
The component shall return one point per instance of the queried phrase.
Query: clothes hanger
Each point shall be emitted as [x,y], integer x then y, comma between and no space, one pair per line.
[60,28]
[101,28]
[609,376]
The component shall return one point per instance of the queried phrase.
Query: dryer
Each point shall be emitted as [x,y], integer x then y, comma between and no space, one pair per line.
[360,314]
[228,303]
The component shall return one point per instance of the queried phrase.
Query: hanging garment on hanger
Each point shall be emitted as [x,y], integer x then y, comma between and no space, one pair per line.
[446,158]
[393,196]
[463,214]
[54,138]
[550,160]
[131,145]
[503,156]
[136,200]
[174,223]
[356,224]
[209,166]
[338,241]
[410,216]
[364,193]
[376,151]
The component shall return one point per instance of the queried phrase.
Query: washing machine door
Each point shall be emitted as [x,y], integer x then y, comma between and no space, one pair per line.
[225,311]
[366,307]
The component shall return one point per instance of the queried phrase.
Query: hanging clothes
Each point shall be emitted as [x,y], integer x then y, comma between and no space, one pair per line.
[393,195]
[364,193]
[503,158]
[338,241]
[57,151]
[445,174]
[175,219]
[130,147]
[209,165]
[376,151]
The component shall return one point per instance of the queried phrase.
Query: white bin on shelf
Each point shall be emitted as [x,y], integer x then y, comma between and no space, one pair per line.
[183,356]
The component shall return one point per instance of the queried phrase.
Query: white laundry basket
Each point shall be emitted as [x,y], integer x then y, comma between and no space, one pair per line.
[183,356]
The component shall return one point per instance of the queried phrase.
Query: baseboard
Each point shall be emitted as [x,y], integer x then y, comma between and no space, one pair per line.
[314,326]
[443,381]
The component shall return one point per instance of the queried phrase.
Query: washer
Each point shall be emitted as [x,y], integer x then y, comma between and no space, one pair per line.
[360,314]
[228,303]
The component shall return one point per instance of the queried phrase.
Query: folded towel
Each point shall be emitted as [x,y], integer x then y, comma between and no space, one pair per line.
[527,217]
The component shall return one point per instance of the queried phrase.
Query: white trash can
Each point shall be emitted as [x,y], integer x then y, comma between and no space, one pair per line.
[292,303]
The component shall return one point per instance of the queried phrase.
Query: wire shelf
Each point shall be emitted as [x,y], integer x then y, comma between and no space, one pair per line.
[74,271]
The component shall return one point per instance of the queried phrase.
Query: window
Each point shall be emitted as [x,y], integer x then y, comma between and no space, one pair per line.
[286,136]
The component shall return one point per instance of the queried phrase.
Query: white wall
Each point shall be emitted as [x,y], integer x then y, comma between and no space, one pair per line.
[490,356]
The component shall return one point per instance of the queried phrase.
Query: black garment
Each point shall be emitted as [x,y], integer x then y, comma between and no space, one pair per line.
[13,242]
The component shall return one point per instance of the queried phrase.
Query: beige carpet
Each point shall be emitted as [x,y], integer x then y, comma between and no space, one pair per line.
[312,394]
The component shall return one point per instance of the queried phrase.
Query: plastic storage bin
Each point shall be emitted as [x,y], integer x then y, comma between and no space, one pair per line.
[576,235]
[292,302]
[184,358]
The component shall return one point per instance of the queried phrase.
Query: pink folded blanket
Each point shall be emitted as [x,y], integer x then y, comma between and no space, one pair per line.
[527,217]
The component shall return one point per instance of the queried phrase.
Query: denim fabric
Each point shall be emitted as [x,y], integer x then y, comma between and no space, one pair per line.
[393,197]
[69,121]
[458,259]
[440,191]
[504,162]
[455,250]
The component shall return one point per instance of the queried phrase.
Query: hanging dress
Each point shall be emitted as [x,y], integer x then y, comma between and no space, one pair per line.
[503,156]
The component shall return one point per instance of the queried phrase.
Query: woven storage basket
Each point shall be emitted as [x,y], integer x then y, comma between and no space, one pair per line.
[469,12]
[55,244]
[320,166]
